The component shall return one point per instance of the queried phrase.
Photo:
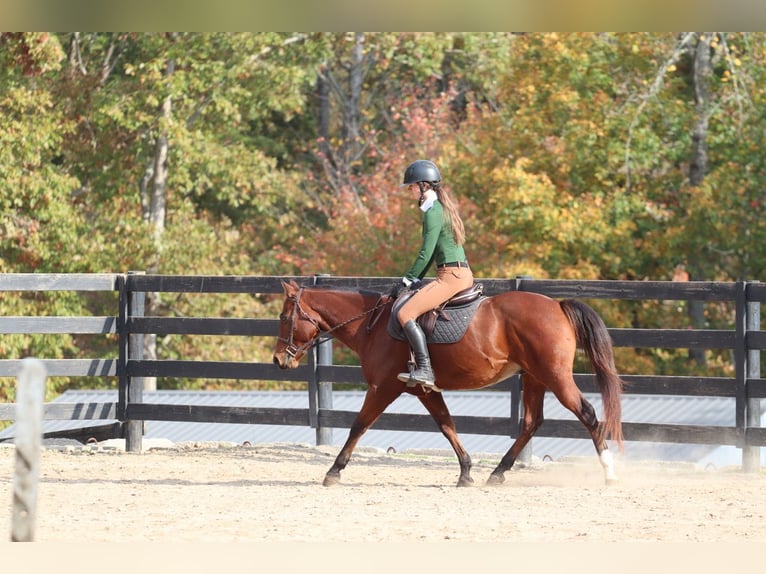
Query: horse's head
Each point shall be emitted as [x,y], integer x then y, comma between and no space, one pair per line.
[298,328]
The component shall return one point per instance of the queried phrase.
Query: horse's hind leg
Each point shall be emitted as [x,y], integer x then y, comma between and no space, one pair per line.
[434,403]
[375,402]
[571,398]
[534,395]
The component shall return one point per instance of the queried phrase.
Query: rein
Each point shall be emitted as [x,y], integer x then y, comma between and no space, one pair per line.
[294,350]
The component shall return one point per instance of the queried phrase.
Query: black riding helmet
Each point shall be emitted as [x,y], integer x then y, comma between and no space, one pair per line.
[421,170]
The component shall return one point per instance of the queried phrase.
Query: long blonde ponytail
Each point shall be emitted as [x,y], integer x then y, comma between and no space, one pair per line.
[450,208]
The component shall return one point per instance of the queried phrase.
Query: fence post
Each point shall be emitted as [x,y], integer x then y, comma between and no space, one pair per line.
[123,381]
[324,390]
[30,390]
[751,455]
[525,456]
[134,430]
[740,362]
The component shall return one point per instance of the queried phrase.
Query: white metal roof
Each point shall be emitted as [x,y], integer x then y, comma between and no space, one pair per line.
[656,409]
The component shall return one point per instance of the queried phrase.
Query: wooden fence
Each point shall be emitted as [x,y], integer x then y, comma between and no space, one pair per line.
[744,340]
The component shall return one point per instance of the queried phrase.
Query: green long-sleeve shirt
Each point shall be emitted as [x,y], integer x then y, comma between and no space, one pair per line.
[438,243]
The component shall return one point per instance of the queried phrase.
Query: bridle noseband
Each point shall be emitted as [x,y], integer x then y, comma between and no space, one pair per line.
[293,350]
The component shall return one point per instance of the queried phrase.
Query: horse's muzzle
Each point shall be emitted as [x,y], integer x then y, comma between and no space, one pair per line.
[284,361]
[279,363]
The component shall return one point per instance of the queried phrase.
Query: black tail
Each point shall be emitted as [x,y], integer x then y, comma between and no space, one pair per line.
[593,338]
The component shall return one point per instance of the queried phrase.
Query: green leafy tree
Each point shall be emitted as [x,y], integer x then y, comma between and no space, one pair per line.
[38,222]
[383,100]
[583,167]
[160,142]
[610,156]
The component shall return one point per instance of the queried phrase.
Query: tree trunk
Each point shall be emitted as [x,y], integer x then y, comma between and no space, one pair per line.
[154,200]
[346,95]
[702,71]
[323,113]
[351,116]
[351,110]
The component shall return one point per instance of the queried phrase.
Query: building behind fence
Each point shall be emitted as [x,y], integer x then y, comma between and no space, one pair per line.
[744,391]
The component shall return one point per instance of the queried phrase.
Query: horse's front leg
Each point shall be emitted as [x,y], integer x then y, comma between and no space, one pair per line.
[375,402]
[434,403]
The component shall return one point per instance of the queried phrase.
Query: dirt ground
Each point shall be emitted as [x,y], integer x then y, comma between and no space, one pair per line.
[226,493]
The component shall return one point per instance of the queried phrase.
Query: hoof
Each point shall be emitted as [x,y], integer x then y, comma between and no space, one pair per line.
[331,480]
[495,480]
[612,481]
[465,481]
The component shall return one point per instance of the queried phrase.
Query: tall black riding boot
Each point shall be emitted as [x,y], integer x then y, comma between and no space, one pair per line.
[423,373]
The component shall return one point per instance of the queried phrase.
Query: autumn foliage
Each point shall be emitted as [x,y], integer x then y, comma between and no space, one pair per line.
[578,155]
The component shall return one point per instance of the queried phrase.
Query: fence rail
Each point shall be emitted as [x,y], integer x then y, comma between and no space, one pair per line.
[745,340]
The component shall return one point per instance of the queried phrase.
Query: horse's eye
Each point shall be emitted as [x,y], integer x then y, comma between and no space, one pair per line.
[283,318]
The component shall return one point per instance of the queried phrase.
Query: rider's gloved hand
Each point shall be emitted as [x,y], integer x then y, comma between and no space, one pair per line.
[413,284]
[405,283]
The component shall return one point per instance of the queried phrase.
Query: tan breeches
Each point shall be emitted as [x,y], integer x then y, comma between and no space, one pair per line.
[449,281]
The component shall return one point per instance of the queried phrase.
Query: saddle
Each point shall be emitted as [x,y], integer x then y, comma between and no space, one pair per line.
[446,323]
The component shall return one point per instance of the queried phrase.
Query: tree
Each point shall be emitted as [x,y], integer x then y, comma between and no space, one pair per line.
[583,168]
[161,143]
[37,219]
[383,100]
[577,155]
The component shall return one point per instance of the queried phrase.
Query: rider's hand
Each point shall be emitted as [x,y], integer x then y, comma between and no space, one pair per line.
[412,284]
[405,283]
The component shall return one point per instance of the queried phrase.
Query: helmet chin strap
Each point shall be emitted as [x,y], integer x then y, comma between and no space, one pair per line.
[422,187]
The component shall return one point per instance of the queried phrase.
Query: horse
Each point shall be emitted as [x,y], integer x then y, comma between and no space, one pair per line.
[510,332]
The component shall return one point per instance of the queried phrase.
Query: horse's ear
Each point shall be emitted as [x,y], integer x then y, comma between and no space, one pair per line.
[290,286]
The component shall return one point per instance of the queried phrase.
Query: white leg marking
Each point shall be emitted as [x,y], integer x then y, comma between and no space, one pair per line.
[607,461]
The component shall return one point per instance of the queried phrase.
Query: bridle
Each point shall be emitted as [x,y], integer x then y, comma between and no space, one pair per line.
[299,313]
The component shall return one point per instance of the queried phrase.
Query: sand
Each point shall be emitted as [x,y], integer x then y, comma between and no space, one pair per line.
[228,493]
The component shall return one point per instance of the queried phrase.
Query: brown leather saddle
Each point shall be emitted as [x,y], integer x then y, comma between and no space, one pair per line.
[427,321]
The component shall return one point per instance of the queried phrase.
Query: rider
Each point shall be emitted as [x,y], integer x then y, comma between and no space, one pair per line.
[443,236]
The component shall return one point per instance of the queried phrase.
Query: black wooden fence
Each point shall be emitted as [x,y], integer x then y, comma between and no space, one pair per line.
[744,340]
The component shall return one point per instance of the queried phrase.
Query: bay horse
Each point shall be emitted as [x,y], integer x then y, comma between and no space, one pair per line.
[510,332]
